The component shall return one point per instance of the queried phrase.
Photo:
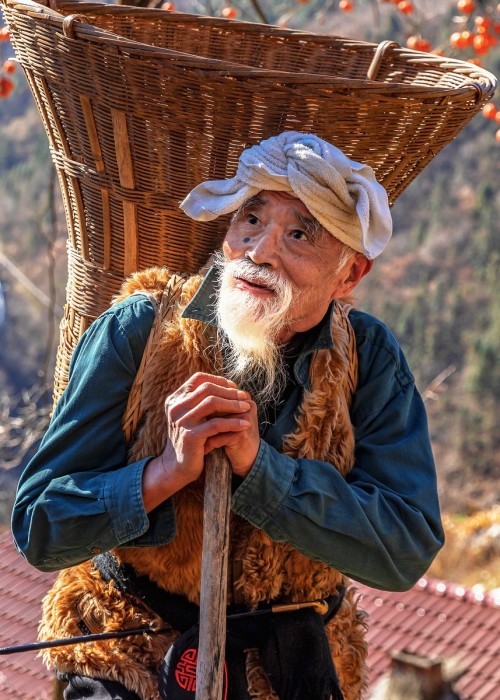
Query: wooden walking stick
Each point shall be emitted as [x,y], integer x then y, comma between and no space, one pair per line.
[213,595]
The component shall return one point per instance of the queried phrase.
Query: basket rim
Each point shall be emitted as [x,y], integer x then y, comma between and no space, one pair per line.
[478,79]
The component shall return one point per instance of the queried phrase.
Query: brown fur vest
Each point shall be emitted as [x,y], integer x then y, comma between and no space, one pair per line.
[267,569]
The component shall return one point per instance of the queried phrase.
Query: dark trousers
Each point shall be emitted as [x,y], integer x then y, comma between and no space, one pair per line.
[99,689]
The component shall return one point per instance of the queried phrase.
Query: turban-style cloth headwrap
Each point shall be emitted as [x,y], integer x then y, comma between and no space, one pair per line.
[343,195]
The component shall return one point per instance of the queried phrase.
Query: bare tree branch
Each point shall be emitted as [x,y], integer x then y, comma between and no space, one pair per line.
[23,421]
[435,387]
[258,11]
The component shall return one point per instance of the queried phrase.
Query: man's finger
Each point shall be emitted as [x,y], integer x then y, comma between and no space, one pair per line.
[204,384]
[211,397]
[210,407]
[218,426]
[209,388]
[199,378]
[217,441]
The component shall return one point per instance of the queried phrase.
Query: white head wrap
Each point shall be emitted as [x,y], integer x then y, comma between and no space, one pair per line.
[342,195]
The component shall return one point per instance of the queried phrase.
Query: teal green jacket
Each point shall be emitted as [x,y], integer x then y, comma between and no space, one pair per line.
[381,526]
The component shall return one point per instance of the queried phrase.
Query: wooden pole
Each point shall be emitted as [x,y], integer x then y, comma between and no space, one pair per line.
[213,596]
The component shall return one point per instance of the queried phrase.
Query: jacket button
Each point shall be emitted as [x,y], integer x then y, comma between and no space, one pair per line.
[96,550]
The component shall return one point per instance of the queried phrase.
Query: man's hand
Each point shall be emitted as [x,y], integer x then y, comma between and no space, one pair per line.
[204,413]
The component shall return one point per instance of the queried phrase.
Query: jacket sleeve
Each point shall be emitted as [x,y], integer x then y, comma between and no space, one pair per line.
[78,496]
[382,525]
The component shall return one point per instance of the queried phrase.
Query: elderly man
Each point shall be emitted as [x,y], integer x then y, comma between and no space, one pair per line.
[316,410]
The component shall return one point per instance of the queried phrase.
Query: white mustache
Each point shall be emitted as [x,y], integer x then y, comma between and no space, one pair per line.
[255,274]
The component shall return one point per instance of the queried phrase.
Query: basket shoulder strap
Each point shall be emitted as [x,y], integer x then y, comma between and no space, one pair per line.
[164,311]
[343,307]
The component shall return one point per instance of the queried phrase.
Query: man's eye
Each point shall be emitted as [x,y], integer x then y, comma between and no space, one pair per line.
[299,235]
[252,219]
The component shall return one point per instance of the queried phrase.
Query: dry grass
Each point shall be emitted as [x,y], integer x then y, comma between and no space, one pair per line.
[471,555]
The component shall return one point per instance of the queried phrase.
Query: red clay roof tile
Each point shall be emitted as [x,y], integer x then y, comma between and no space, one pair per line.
[438,618]
[22,675]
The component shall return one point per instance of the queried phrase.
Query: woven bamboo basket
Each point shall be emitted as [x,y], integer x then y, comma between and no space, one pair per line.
[141,105]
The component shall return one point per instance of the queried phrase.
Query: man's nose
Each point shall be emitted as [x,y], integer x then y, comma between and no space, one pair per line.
[263,247]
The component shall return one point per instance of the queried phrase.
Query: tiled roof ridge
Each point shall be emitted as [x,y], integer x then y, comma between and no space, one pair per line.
[456,591]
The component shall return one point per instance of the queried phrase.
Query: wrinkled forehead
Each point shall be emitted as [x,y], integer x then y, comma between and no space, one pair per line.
[273,201]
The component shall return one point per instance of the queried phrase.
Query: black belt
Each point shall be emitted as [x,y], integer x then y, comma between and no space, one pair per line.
[293,648]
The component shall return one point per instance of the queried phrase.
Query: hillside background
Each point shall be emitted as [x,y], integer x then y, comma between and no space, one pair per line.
[436,287]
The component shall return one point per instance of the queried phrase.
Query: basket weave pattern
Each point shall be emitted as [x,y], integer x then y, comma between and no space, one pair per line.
[140,106]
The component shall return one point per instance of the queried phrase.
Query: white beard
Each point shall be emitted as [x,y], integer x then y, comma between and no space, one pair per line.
[250,327]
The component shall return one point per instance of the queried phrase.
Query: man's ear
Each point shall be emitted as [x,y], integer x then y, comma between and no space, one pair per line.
[353,273]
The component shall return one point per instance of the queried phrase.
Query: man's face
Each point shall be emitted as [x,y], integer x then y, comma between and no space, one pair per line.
[276,231]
